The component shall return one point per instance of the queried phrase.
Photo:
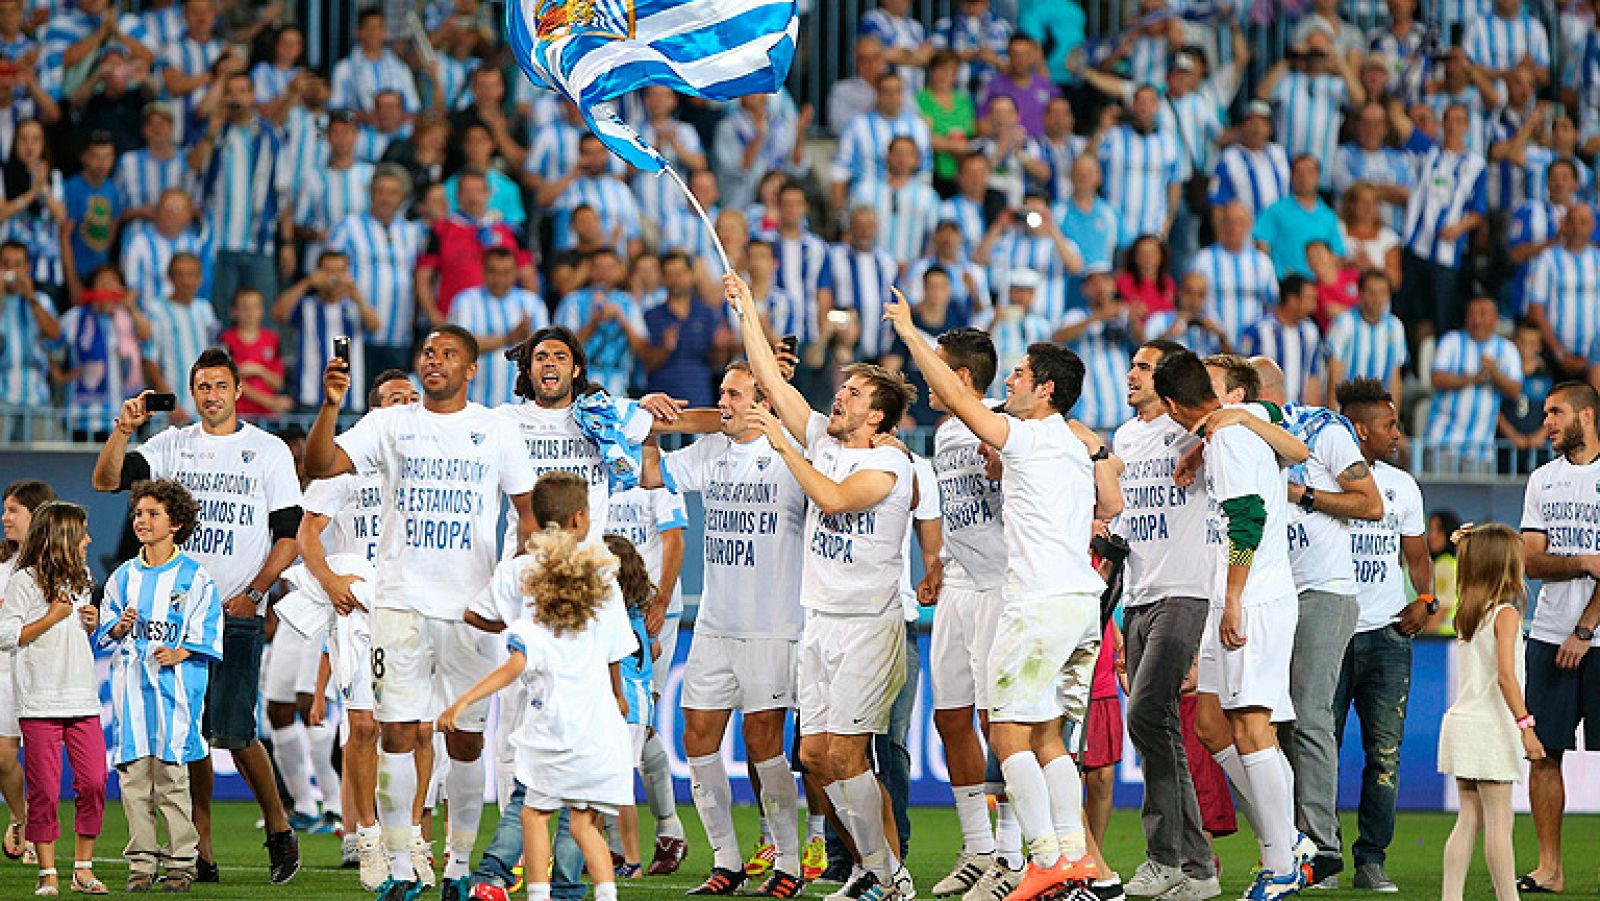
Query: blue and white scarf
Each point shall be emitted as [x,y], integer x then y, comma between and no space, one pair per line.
[1306,423]
[598,419]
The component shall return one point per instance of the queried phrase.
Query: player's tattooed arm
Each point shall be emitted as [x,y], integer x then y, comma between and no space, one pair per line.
[1357,499]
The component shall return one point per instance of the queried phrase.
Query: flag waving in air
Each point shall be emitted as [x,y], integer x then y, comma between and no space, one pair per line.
[593,51]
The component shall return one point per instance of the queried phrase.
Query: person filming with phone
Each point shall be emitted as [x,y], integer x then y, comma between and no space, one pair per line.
[320,308]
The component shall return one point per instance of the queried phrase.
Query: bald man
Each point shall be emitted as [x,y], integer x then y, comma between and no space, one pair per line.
[1333,487]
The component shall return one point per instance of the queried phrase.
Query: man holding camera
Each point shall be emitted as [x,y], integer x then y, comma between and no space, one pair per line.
[1310,87]
[321,307]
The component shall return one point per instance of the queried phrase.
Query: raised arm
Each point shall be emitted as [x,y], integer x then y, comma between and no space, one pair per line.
[323,458]
[791,406]
[991,428]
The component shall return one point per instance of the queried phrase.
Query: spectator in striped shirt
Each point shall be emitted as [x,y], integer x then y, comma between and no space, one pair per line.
[1049,157]
[182,326]
[1310,87]
[609,323]
[1242,280]
[1474,370]
[864,144]
[1564,293]
[1507,40]
[1446,205]
[1187,323]
[384,249]
[1371,159]
[1142,166]
[690,340]
[905,204]
[370,68]
[192,67]
[103,365]
[977,37]
[337,189]
[905,40]
[851,98]
[1521,421]
[28,325]
[1536,227]
[500,314]
[969,284]
[325,305]
[753,143]
[1368,342]
[1104,336]
[802,260]
[141,175]
[592,182]
[1254,171]
[1031,240]
[1298,219]
[273,77]
[860,275]
[148,247]
[974,204]
[677,142]
[1289,337]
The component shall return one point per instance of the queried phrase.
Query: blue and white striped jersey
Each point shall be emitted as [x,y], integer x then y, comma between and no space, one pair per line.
[1138,170]
[861,280]
[1296,348]
[1094,231]
[1201,115]
[1445,13]
[179,333]
[1384,166]
[140,177]
[897,33]
[1258,178]
[1534,222]
[611,360]
[383,264]
[1367,350]
[1059,157]
[965,34]
[317,322]
[864,146]
[1538,172]
[906,215]
[966,300]
[1241,286]
[1160,325]
[802,272]
[357,81]
[1106,350]
[553,151]
[146,254]
[24,372]
[682,229]
[1017,249]
[450,90]
[1477,115]
[1012,333]
[372,144]
[658,195]
[608,197]
[486,316]
[270,81]
[157,28]
[66,27]
[967,215]
[1309,114]
[1506,183]
[156,710]
[1567,286]
[1498,44]
[331,195]
[105,352]
[38,229]
[305,150]
[1463,420]
[241,187]
[190,57]
[1147,61]
[786,314]
[1449,185]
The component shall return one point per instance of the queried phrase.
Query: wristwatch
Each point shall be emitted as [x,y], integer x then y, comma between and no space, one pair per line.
[1431,602]
[256,595]
[1308,500]
[1104,453]
[1582,633]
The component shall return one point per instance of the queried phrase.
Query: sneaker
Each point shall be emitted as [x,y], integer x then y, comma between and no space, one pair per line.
[140,883]
[349,853]
[1191,889]
[1082,871]
[840,871]
[1153,879]
[1321,871]
[422,863]
[328,824]
[969,868]
[880,891]
[669,856]
[628,871]
[302,822]
[488,891]
[1037,880]
[1371,877]
[177,881]
[206,870]
[780,885]
[904,887]
[455,889]
[399,891]
[762,861]
[860,882]
[283,856]
[373,861]
[814,859]
[1113,890]
[1269,886]
[994,885]
[720,882]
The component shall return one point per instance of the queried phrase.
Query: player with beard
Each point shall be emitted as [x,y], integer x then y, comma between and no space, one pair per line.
[444,466]
[852,649]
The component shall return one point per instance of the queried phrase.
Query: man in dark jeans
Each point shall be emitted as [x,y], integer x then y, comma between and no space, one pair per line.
[1376,675]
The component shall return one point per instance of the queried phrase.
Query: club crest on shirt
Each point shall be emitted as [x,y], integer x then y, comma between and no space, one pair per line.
[763,462]
[176,600]
[1389,494]
[477,437]
[1168,438]
[248,455]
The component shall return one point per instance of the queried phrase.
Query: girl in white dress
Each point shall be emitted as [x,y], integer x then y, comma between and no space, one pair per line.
[1487,731]
[22,497]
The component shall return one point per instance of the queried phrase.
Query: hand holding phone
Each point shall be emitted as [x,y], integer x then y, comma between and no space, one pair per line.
[160,402]
[341,347]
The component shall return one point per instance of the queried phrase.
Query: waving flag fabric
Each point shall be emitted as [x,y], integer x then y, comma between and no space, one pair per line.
[593,51]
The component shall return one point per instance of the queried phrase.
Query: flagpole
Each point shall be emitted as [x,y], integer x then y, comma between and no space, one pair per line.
[695,202]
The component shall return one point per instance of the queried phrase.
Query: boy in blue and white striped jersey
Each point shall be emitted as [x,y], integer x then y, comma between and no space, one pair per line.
[164,618]
[143,174]
[1368,342]
[182,325]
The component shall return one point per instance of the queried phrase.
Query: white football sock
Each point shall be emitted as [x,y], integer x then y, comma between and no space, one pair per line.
[864,800]
[1008,836]
[397,790]
[713,799]
[972,812]
[605,891]
[1030,797]
[1228,759]
[1066,806]
[289,753]
[1288,777]
[464,788]
[657,774]
[816,826]
[780,804]
[538,891]
[1265,772]
[321,740]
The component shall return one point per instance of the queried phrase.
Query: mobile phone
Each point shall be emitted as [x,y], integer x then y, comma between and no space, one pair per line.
[341,347]
[789,343]
[160,402]
[838,317]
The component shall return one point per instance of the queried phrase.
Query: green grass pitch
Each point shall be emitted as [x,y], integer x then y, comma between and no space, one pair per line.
[1414,860]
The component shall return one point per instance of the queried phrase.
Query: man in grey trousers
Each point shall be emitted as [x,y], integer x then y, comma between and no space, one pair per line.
[1163,623]
[1331,488]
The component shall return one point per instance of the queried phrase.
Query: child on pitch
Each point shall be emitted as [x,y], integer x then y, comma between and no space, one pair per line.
[163,623]
[567,632]
[1487,732]
[637,675]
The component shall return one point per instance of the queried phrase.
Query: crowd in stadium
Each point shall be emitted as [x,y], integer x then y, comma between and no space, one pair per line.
[178,178]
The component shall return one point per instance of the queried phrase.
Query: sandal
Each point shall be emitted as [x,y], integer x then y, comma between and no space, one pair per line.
[94,886]
[140,883]
[45,891]
[1530,886]
[14,845]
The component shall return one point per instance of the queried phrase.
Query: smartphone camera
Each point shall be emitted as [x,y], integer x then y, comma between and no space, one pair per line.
[1033,219]
[839,317]
[341,347]
[789,343]
[160,402]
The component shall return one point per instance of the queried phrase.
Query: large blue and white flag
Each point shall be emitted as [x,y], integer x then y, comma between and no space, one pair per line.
[593,51]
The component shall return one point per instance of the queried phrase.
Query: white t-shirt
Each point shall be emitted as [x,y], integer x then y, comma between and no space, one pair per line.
[1050,498]
[443,477]
[853,560]
[1159,519]
[641,515]
[238,480]
[354,507]
[1375,547]
[1318,542]
[1239,463]
[971,506]
[755,526]
[1563,502]
[927,508]
[502,601]
[555,443]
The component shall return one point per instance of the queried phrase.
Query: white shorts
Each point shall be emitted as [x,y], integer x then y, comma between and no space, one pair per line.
[744,674]
[668,639]
[1256,675]
[637,734]
[963,632]
[359,695]
[851,669]
[1042,661]
[9,727]
[292,665]
[419,664]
